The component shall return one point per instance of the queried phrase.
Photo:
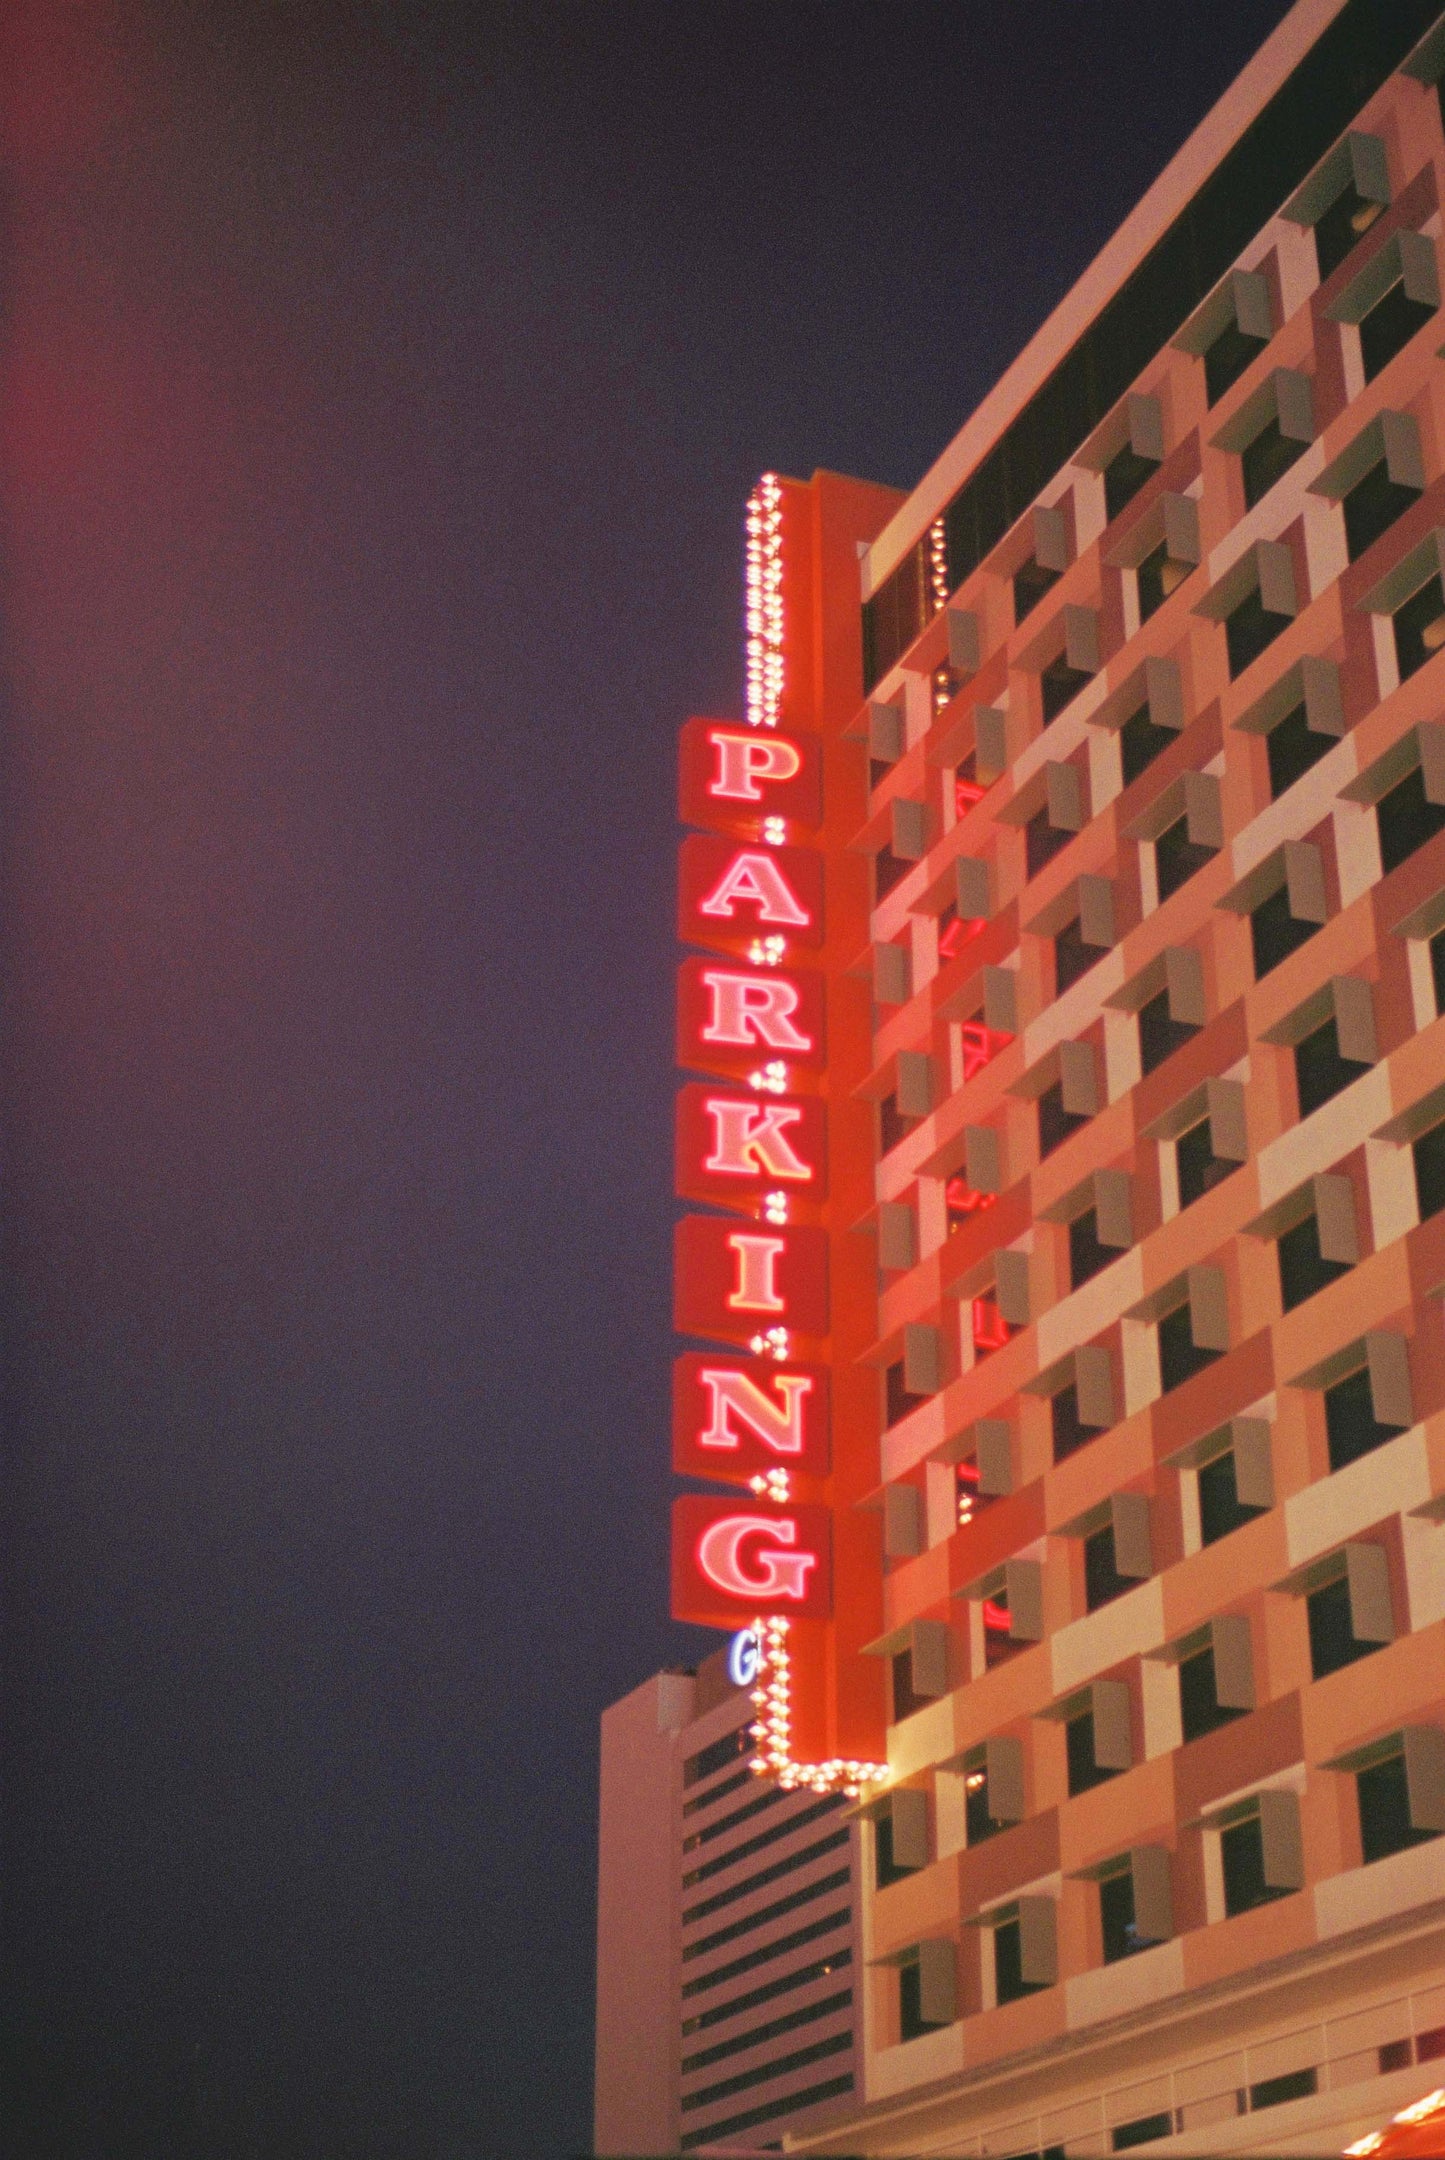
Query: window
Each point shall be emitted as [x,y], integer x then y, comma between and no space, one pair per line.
[1055,1122]
[1333,1641]
[1350,1422]
[1060,684]
[1140,742]
[893,1124]
[1406,819]
[905,1699]
[1031,581]
[1158,576]
[1419,630]
[971,1497]
[888,868]
[1085,1770]
[1267,459]
[1197,1166]
[999,1641]
[1349,215]
[718,1754]
[1273,2092]
[1227,358]
[1072,957]
[899,1398]
[886,1868]
[1220,1507]
[1102,1580]
[1372,506]
[914,2018]
[1389,326]
[1070,1433]
[1042,841]
[1086,1255]
[988,1810]
[1429,1154]
[1303,1269]
[1250,628]
[1180,1357]
[1124,475]
[1160,1034]
[1388,1821]
[1241,1850]
[1008,1979]
[1275,932]
[1437,969]
[1319,1069]
[1142,2131]
[1177,857]
[1116,1917]
[1293,746]
[1200,1709]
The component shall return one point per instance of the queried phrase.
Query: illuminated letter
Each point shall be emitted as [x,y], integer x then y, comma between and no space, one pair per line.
[746,1010]
[757,881]
[743,760]
[734,1395]
[758,1259]
[719,1556]
[750,1140]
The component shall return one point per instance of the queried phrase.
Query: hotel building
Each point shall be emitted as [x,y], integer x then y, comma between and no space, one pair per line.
[1145,760]
[728,1975]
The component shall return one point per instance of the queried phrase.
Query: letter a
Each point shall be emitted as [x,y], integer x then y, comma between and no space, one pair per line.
[756,881]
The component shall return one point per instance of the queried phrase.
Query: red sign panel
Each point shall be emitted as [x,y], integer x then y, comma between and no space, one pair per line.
[735,1280]
[732,777]
[735,1019]
[736,1559]
[734,1418]
[733,1145]
[730,893]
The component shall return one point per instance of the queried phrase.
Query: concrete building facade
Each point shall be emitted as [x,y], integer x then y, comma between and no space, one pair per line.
[1155,721]
[728,1975]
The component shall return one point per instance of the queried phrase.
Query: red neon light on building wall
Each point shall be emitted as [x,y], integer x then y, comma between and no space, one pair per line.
[980,1045]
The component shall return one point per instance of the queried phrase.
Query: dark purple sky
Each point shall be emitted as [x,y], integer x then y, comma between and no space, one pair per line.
[381,382]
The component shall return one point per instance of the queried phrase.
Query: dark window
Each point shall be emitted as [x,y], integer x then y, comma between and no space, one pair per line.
[1319,1070]
[1008,1964]
[1072,957]
[1160,1034]
[1419,628]
[893,1125]
[1250,629]
[1349,215]
[1227,358]
[1303,1269]
[1142,2131]
[1406,819]
[1084,1771]
[1333,1642]
[1159,575]
[1042,841]
[1266,460]
[1390,325]
[1273,2092]
[1177,857]
[1030,584]
[1102,1580]
[898,1398]
[1180,1357]
[1429,1154]
[1199,1168]
[978,1822]
[911,2021]
[1086,1255]
[1069,1430]
[1060,684]
[1384,1800]
[878,771]
[1350,1422]
[1141,742]
[1372,506]
[1274,933]
[717,1754]
[1200,1709]
[1437,969]
[1293,746]
[888,868]
[886,1869]
[1055,1122]
[1220,1507]
[1124,475]
[1241,1848]
[1116,1915]
[905,1701]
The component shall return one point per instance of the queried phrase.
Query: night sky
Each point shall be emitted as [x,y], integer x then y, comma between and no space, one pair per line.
[381,383]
